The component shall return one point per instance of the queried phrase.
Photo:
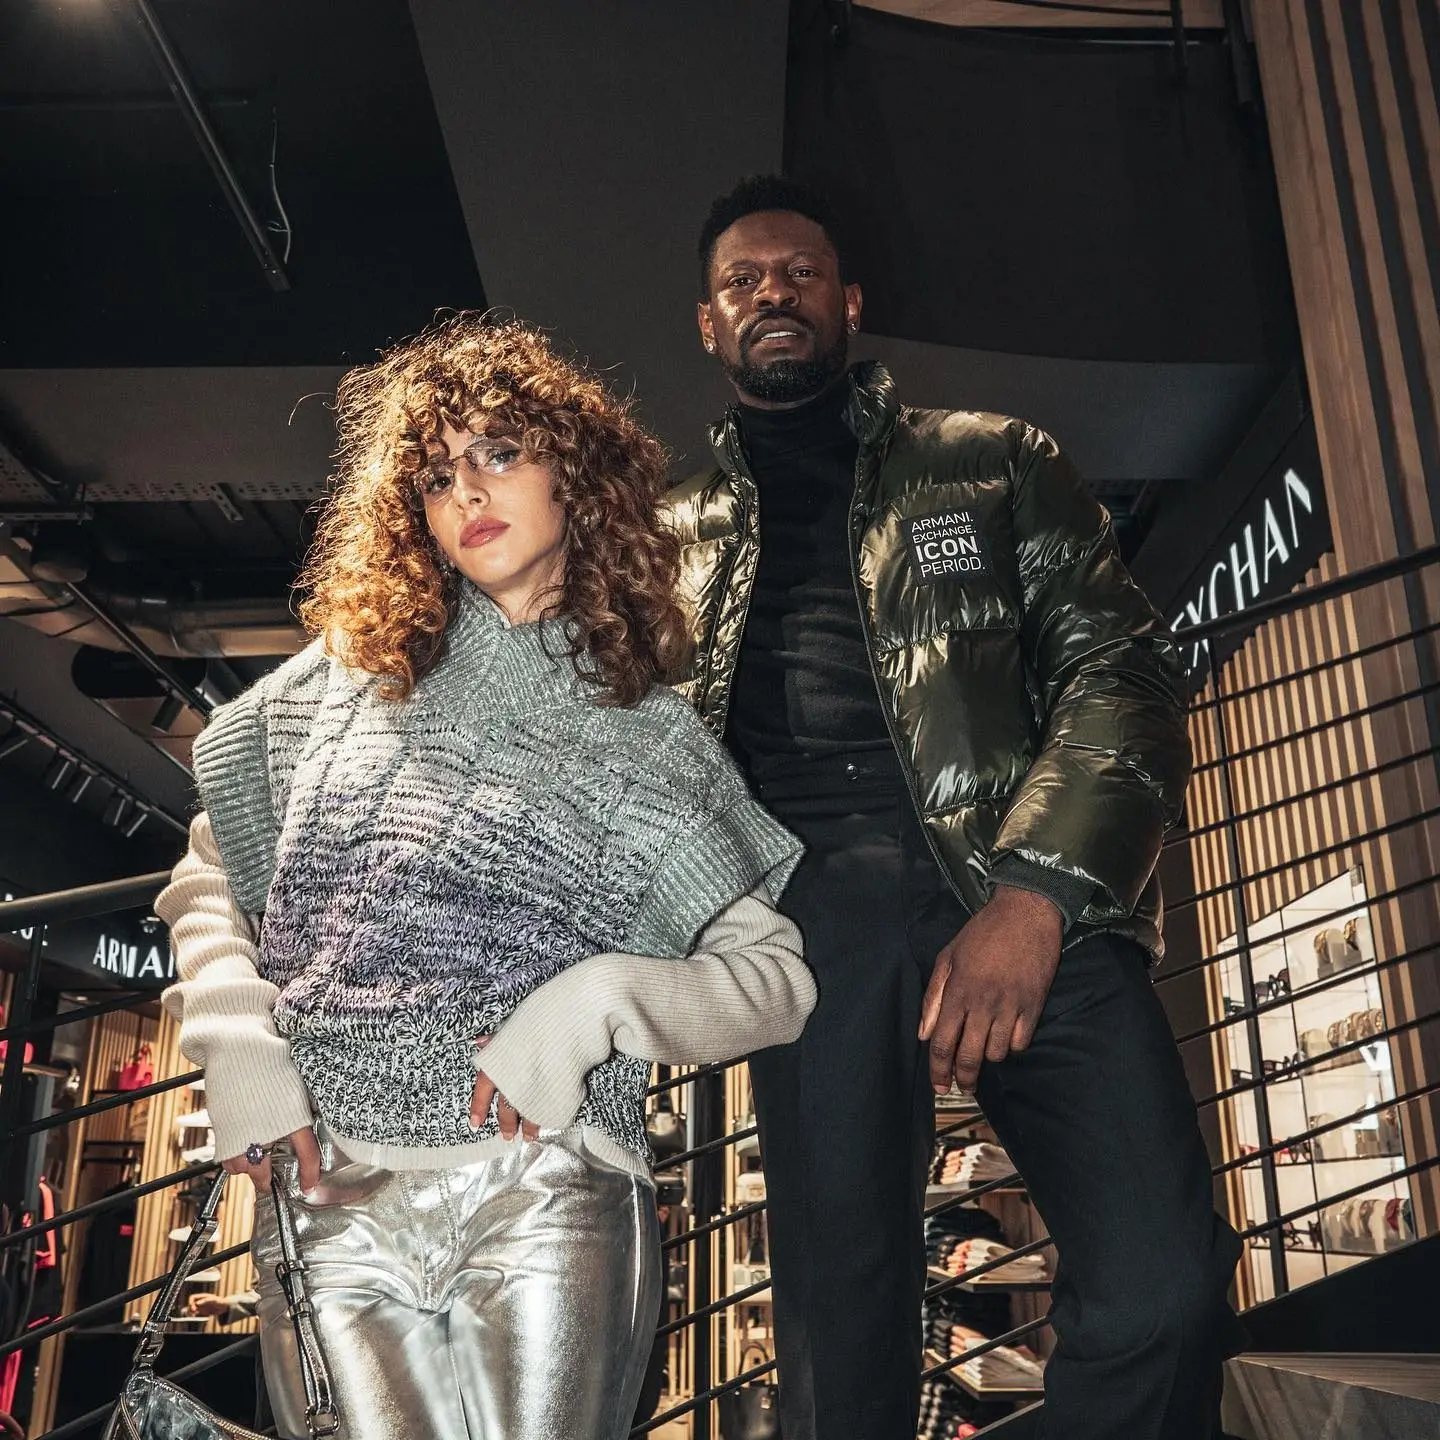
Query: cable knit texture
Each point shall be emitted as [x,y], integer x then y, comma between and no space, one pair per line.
[425,866]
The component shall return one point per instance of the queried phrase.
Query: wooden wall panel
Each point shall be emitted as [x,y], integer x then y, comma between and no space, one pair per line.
[1353,109]
[159,1214]
[1007,14]
[1355,130]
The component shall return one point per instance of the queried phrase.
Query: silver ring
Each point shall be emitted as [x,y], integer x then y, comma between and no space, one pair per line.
[256,1153]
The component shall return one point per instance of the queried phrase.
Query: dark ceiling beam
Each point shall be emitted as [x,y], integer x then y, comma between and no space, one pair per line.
[1055,15]
[608,155]
[168,59]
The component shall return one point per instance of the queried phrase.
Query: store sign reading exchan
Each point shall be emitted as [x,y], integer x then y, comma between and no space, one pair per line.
[1267,550]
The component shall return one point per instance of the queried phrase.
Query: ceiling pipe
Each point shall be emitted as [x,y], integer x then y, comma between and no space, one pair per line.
[168,59]
[194,630]
[211,629]
[1177,31]
[164,677]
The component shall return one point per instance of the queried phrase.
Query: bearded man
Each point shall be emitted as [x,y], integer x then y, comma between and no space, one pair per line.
[914,629]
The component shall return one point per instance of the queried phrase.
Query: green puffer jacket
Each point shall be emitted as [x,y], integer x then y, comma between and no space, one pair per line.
[1035,698]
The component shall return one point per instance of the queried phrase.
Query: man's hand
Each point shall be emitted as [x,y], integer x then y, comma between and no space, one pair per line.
[307,1152]
[989,986]
[484,1093]
[212,1307]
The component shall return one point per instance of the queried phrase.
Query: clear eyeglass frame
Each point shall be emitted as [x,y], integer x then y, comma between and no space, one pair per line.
[485,455]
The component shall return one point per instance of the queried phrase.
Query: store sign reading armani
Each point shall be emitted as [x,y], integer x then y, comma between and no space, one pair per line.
[131,950]
[150,963]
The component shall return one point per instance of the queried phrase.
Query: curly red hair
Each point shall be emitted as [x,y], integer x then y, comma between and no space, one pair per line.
[377,589]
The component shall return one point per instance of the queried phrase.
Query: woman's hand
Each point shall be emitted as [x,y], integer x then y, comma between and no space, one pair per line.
[307,1152]
[484,1093]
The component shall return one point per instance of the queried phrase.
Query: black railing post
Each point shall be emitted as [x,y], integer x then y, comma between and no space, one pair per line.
[1278,1269]
[707,1191]
[22,1007]
[1177,31]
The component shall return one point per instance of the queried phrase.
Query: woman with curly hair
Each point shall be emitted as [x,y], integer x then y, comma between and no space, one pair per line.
[465,869]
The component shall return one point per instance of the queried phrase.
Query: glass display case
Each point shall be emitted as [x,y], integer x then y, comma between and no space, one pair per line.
[1316,956]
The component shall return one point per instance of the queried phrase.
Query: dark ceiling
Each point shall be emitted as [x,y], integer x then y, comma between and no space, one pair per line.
[119,249]
[1049,226]
[1045,197]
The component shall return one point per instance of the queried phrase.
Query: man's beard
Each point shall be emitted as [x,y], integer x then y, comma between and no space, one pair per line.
[784,381]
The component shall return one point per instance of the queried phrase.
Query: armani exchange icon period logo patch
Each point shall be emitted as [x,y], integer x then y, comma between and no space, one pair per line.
[946,546]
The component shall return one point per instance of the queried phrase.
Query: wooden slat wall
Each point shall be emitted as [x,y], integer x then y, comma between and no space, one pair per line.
[1350,92]
[1280,708]
[1352,99]
[158,1214]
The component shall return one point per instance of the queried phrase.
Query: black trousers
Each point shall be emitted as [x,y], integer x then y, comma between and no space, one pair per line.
[1096,1115]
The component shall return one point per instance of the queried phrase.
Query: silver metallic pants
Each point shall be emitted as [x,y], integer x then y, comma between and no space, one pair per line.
[512,1299]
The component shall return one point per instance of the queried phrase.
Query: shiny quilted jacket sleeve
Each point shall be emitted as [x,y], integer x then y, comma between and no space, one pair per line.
[1114,756]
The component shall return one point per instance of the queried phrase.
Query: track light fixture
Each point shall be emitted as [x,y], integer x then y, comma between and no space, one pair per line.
[72,774]
[13,743]
[58,771]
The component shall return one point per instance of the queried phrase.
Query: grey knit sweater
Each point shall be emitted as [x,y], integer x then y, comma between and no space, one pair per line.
[424,866]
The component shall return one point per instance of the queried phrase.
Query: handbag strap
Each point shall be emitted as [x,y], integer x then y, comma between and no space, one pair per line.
[321,1415]
[152,1332]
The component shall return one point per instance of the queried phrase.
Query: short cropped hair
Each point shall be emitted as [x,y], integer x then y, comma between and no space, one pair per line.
[767,192]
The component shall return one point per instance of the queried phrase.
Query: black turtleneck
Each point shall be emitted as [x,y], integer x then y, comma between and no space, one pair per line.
[804,686]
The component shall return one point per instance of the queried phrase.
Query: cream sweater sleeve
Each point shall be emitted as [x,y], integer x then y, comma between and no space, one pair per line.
[252,1091]
[743,988]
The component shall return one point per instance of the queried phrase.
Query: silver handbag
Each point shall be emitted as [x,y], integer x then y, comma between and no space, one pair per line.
[153,1408]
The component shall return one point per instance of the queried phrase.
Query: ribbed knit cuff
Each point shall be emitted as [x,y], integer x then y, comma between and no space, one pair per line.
[558,1034]
[1069,894]
[254,1095]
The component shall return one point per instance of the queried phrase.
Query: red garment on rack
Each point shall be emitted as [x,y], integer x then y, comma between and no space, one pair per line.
[138,1072]
[47,1257]
[9,1379]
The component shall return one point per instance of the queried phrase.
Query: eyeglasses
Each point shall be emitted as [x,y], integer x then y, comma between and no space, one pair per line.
[484,456]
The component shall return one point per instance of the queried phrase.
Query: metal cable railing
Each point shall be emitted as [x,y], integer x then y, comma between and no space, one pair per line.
[1395,892]
[711,1220]
[1270,872]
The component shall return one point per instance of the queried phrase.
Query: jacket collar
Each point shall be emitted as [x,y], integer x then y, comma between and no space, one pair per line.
[873,408]
[871,413]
